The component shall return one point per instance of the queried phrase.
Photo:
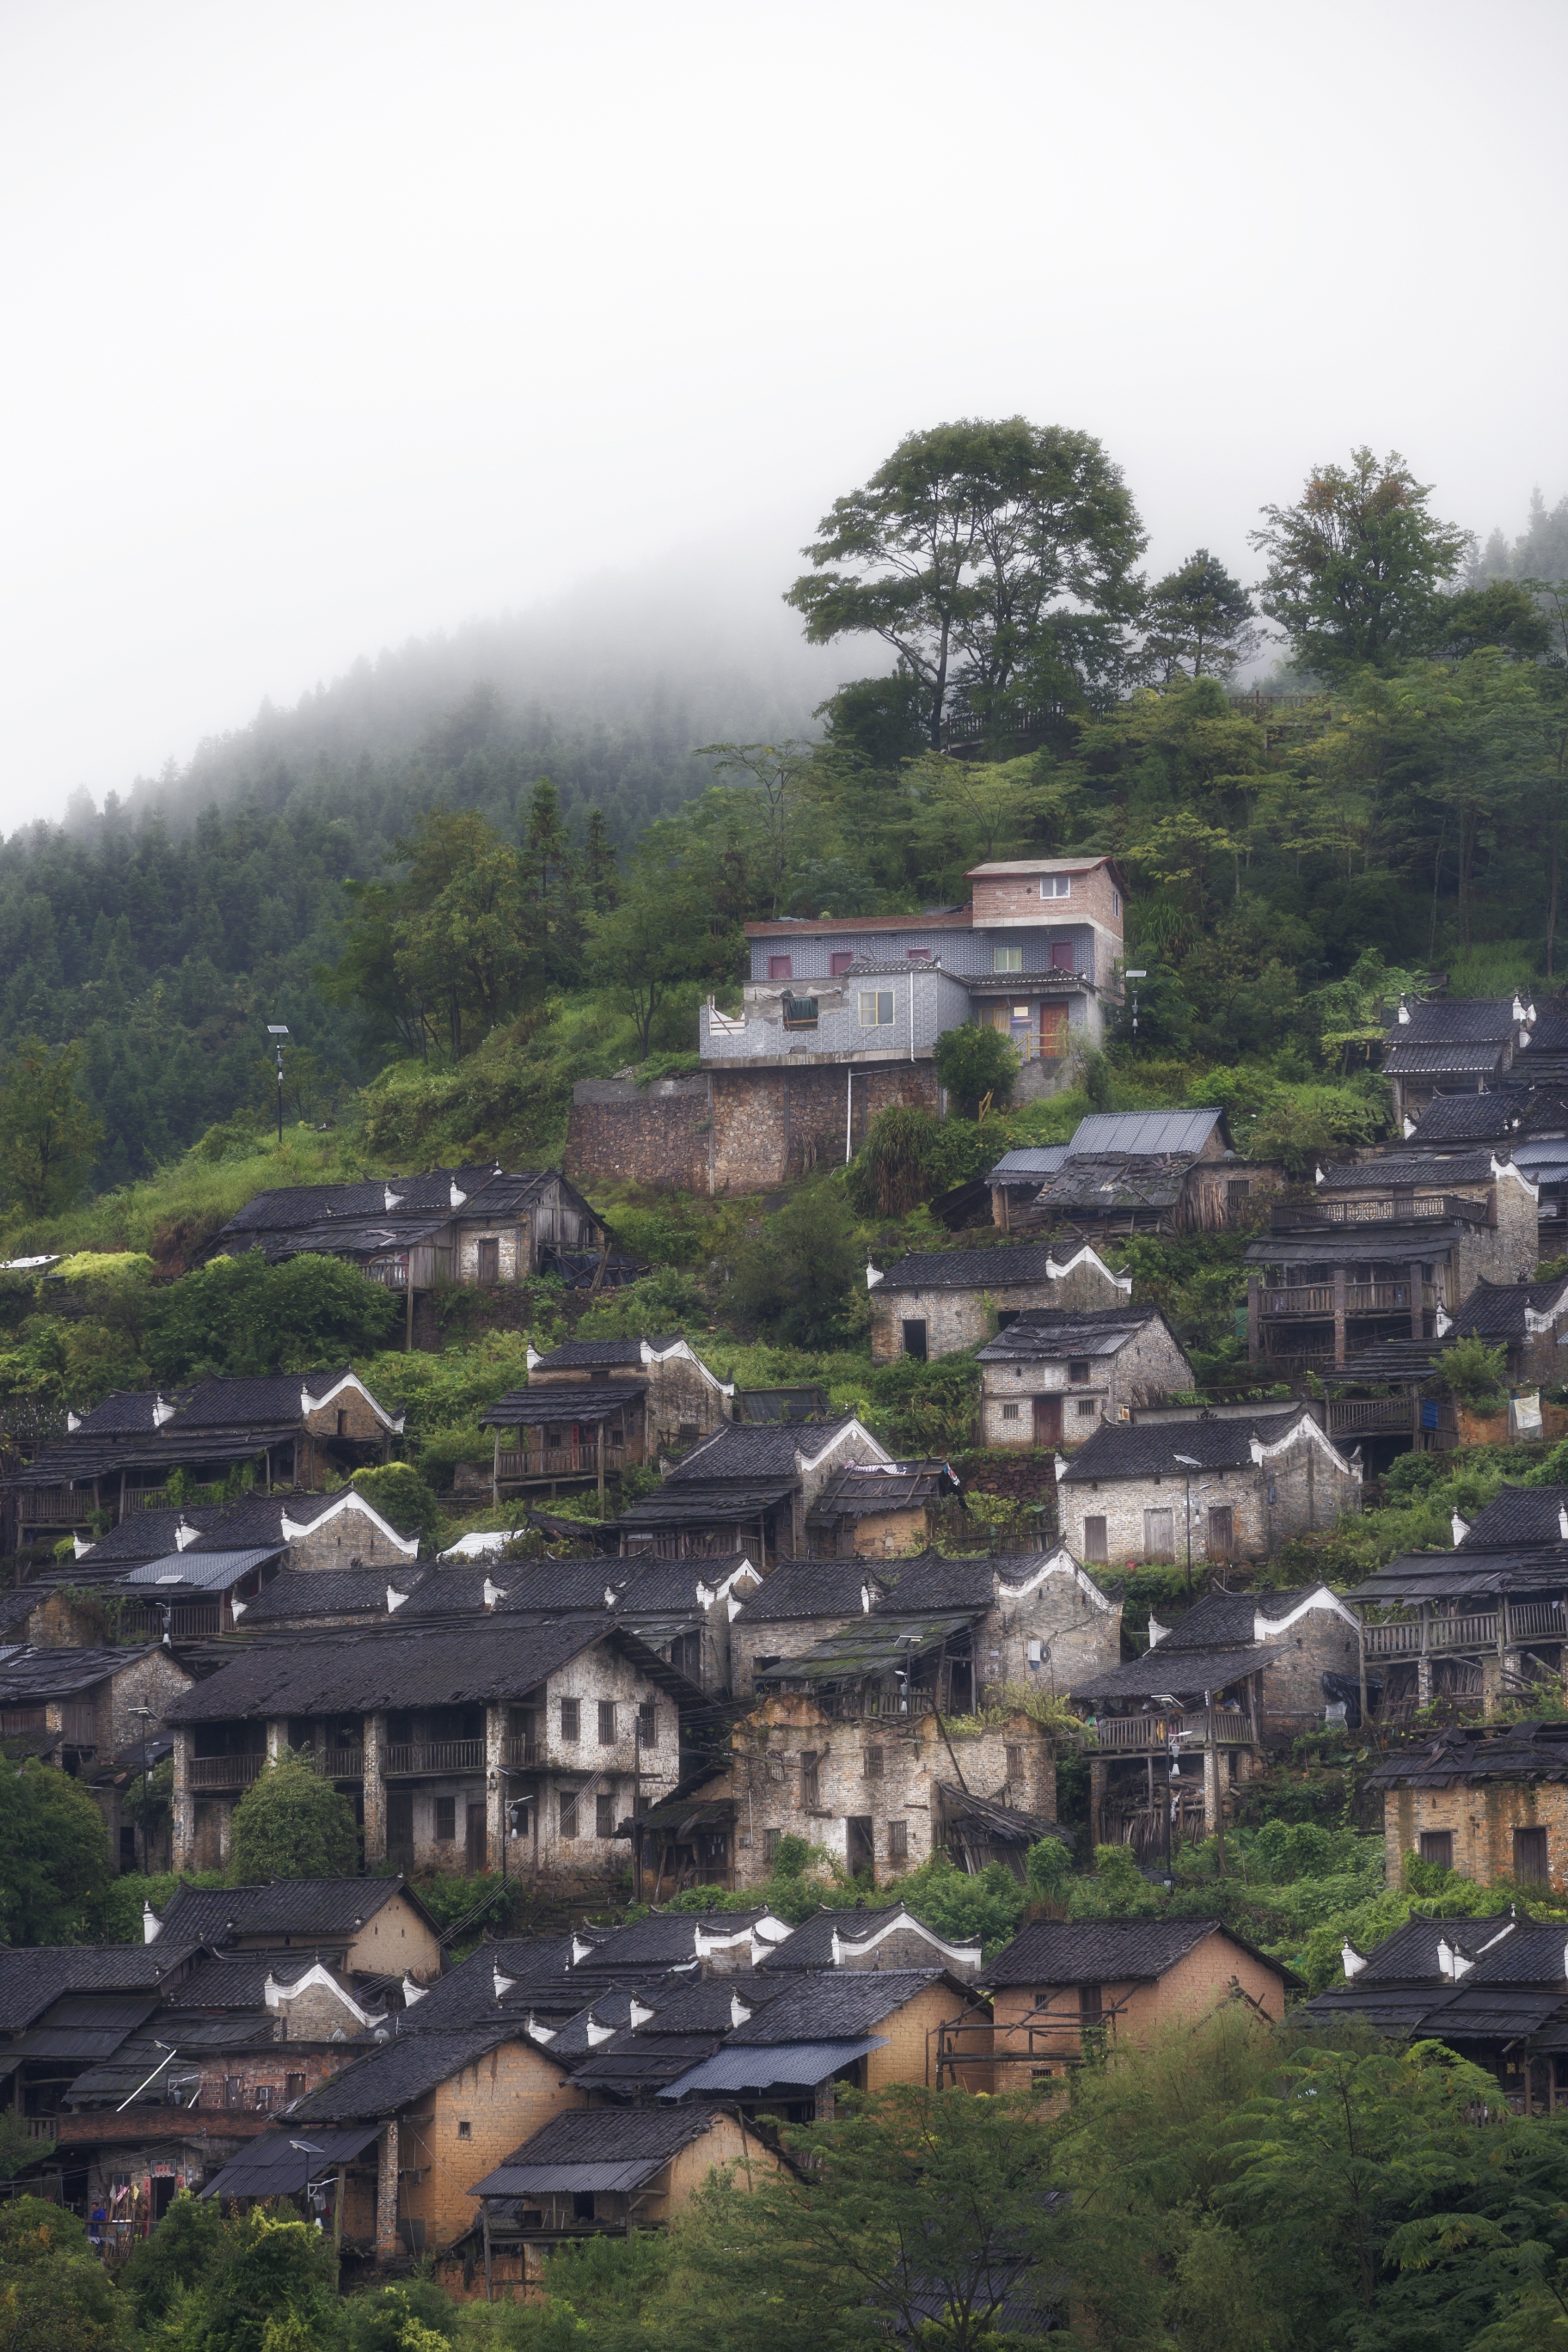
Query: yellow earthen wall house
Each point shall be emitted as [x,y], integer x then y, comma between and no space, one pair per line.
[1488,1831]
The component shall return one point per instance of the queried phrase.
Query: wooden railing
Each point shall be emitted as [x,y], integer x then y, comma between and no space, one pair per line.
[1136,1734]
[557,1461]
[1316,1298]
[158,1498]
[1421,1208]
[194,1621]
[1349,1416]
[521,1751]
[432,1756]
[1487,1629]
[225,1771]
[55,1506]
[336,1763]
[387,1272]
[78,1724]
[848,1707]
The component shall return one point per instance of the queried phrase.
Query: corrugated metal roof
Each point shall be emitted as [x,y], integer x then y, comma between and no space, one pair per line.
[199,1571]
[274,2166]
[757,2068]
[1033,1160]
[1141,1132]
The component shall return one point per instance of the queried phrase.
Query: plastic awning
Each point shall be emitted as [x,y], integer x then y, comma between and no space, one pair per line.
[758,2067]
[274,2166]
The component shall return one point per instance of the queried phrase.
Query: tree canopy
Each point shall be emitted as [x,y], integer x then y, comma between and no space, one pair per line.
[291,1823]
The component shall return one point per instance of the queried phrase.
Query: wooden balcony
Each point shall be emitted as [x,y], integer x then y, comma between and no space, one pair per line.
[1487,1629]
[391,1273]
[159,1498]
[1361,1416]
[1137,1735]
[55,1506]
[524,1752]
[1316,1299]
[337,1763]
[225,1771]
[76,1724]
[1389,1208]
[411,1758]
[522,1462]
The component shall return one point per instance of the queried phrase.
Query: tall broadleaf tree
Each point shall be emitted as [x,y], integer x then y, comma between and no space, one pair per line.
[1357,565]
[995,559]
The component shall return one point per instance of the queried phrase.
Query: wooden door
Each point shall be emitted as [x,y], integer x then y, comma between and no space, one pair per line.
[1053,1032]
[1047,1421]
[476,1857]
[488,1261]
[400,1827]
[861,1851]
[1222,1531]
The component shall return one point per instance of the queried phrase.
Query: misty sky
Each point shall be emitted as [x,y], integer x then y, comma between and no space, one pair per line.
[327,325]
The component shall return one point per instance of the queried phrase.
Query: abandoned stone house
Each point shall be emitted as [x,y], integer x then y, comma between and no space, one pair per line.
[1054,1377]
[1170,1733]
[1493,1989]
[1489,1803]
[1485,1621]
[747,1488]
[593,1406]
[1063,1991]
[1466,1046]
[1384,1248]
[927,1306]
[1034,1620]
[1527,1117]
[1209,1488]
[118,1458]
[530,1746]
[473,1226]
[89,1711]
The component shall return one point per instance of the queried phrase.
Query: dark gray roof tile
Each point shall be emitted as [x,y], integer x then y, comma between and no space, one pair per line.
[1144,1449]
[1099,1951]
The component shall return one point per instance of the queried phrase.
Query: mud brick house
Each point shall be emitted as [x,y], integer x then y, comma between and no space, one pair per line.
[926,1305]
[1055,1375]
[839,1021]
[366,1928]
[1381,1250]
[409,2128]
[1035,1619]
[593,1406]
[747,1488]
[1466,1046]
[845,2029]
[876,1512]
[679,1609]
[1212,1488]
[536,1740]
[1494,1990]
[1171,1733]
[473,1225]
[1491,1804]
[606,2174]
[1064,1991]
[118,1458]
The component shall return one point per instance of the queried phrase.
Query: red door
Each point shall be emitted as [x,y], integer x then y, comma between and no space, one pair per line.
[1047,1421]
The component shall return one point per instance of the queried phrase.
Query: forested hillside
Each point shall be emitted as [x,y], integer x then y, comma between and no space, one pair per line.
[468,907]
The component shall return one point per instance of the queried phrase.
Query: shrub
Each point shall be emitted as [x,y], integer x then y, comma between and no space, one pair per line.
[892,1174]
[974,1063]
[398,1492]
[241,1316]
[290,1823]
[796,1276]
[1475,1373]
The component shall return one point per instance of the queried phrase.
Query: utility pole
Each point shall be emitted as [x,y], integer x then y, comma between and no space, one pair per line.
[1189,1465]
[276,1030]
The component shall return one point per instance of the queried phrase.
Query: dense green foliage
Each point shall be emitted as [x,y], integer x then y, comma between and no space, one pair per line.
[291,1823]
[54,1856]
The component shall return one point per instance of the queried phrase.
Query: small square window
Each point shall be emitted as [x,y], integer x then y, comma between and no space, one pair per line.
[1056,886]
[876,1008]
[465,2128]
[1437,1845]
[1007,959]
[1078,1368]
[1009,1413]
[781,968]
[898,1840]
[1087,1408]
[840,961]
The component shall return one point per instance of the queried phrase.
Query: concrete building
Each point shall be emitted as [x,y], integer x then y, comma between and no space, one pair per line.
[927,1306]
[1055,1377]
[1209,1489]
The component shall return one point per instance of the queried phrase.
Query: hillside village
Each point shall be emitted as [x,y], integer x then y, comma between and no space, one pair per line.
[698,1749]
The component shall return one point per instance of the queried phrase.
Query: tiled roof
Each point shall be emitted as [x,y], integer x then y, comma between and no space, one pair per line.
[811,1587]
[547,1403]
[1496,1310]
[1494,1117]
[259,1518]
[1183,1671]
[573,1354]
[1519,1515]
[1046,1332]
[1220,1618]
[756,1451]
[403,2068]
[811,1945]
[1423,1169]
[466,1995]
[55,1673]
[1451,1021]
[1527,1751]
[667,1939]
[935,1581]
[1142,1132]
[276,1397]
[235,1981]
[1099,1951]
[858,1493]
[589,2142]
[328,1908]
[1144,1449]
[305,1592]
[1483,1058]
[147,1535]
[367,1670]
[708,1502]
[970,1269]
[849,2002]
[1105,1183]
[32,1977]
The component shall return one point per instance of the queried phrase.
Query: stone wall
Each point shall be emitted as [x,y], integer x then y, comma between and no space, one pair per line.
[734,1130]
[1481,1822]
[1146,1367]
[1300,1491]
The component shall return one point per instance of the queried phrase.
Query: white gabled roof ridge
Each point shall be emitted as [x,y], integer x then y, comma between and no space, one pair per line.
[683,1348]
[1319,1597]
[1060,1561]
[348,1379]
[350,1499]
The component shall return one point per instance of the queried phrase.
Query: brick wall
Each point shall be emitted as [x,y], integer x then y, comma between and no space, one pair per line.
[395,1937]
[359,1418]
[910,2035]
[1481,1822]
[257,2081]
[506,2097]
[914,1753]
[153,1680]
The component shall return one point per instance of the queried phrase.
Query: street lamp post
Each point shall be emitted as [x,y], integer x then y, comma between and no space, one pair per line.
[307,2148]
[147,1717]
[1189,1464]
[275,1029]
[1135,976]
